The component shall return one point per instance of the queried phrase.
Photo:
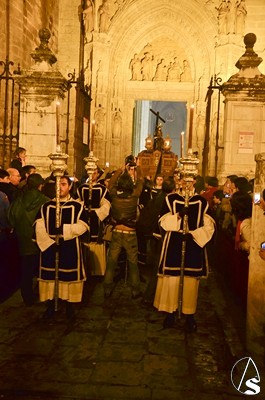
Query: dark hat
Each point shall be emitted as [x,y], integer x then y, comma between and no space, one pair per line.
[34,181]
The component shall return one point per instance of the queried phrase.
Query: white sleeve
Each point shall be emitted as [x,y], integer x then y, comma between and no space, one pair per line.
[71,231]
[42,238]
[103,211]
[203,234]
[170,222]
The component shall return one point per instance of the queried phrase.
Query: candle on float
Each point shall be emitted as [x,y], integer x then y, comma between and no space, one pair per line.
[182,144]
[58,139]
[191,126]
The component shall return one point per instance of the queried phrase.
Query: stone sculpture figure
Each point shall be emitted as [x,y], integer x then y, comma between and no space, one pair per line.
[99,122]
[117,121]
[136,68]
[161,71]
[241,13]
[222,17]
[147,67]
[174,71]
[104,16]
[185,75]
[88,17]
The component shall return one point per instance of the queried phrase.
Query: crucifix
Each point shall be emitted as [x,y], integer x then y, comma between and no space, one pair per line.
[157,117]
[158,136]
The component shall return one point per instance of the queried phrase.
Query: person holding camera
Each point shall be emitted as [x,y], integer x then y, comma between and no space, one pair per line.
[124,195]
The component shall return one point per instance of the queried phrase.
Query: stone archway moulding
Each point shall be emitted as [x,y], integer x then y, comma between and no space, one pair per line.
[140,29]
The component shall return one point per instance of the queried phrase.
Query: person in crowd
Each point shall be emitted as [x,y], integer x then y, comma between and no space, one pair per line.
[229,185]
[21,215]
[4,184]
[19,159]
[26,171]
[149,225]
[241,204]
[98,207]
[199,184]
[49,186]
[124,200]
[14,180]
[229,188]
[218,196]
[157,188]
[73,224]
[242,185]
[201,227]
[211,185]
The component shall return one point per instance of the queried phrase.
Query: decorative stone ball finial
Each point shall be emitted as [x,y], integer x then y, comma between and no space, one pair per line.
[249,40]
[44,35]
[43,53]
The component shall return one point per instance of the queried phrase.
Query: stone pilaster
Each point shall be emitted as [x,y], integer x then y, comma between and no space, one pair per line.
[256,282]
[244,116]
[41,88]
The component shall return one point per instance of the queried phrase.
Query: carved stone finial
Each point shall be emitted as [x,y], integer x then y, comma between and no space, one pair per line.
[43,53]
[249,59]
[249,40]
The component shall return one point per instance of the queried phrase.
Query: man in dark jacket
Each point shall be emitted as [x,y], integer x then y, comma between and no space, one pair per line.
[21,215]
[124,200]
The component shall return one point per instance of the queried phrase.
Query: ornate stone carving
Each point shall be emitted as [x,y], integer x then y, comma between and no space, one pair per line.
[152,64]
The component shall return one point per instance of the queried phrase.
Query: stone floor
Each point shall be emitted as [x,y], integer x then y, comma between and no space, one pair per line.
[116,349]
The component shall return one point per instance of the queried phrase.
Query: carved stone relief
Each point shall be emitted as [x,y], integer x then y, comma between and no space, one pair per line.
[153,65]
[231,17]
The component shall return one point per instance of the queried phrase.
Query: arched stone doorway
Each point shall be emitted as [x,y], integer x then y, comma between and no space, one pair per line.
[165,35]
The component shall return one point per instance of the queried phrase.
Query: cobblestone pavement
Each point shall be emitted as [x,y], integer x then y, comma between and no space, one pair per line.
[116,349]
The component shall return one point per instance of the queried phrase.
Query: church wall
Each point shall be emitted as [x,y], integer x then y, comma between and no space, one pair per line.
[21,23]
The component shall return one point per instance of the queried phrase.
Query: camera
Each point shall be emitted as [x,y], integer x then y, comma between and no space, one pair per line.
[227,195]
[72,178]
[256,198]
[262,245]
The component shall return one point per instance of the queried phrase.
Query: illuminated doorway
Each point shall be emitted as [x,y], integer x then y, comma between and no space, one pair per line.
[174,113]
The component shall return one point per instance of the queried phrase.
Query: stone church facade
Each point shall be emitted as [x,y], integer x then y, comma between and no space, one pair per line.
[124,51]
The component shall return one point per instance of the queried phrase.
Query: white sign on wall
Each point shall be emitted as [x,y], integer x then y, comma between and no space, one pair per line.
[246,142]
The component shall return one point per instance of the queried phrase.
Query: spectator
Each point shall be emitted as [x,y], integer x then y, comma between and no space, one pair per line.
[4,184]
[124,199]
[242,185]
[19,159]
[211,185]
[26,171]
[21,215]
[14,180]
[242,209]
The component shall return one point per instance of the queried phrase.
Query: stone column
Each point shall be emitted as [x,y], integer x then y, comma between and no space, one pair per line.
[244,114]
[256,281]
[41,88]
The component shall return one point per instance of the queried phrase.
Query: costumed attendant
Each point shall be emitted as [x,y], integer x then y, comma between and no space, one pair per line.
[98,209]
[201,227]
[71,270]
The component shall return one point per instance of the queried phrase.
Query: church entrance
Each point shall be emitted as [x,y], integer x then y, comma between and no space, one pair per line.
[172,115]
